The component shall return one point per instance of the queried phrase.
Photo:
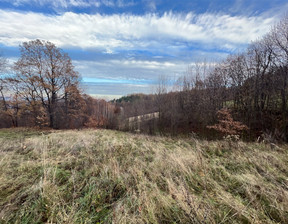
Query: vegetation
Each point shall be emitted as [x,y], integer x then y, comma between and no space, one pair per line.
[226,125]
[129,98]
[252,84]
[108,176]
[105,176]
[42,90]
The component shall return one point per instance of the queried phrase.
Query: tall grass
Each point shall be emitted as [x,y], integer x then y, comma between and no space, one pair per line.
[103,176]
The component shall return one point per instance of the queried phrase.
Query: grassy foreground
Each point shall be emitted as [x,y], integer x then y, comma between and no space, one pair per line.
[103,176]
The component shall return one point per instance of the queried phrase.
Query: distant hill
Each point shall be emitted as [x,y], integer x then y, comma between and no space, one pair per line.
[129,98]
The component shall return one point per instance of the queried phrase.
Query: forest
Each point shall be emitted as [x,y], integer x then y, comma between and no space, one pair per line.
[42,89]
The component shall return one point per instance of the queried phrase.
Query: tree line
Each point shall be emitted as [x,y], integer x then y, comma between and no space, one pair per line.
[42,89]
[252,84]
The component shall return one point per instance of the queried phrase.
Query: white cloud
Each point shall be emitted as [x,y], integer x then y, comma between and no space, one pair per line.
[64,4]
[129,31]
[108,3]
[142,71]
[146,64]
[151,5]
[122,3]
[119,67]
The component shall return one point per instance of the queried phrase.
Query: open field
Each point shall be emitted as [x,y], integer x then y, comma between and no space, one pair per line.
[103,176]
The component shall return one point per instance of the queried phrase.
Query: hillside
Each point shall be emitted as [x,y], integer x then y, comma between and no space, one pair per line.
[103,176]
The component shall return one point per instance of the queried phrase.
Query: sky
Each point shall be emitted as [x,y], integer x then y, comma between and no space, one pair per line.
[121,47]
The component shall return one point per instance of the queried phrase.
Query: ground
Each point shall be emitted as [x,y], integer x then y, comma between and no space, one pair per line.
[104,176]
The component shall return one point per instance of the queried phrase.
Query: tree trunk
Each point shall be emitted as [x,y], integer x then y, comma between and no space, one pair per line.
[51,118]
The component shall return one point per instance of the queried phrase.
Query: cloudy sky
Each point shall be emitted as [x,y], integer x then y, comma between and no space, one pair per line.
[123,46]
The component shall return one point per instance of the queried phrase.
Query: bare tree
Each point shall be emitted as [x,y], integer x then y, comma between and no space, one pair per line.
[3,68]
[161,92]
[278,38]
[45,73]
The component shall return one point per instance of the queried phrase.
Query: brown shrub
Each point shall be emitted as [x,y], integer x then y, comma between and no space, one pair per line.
[226,125]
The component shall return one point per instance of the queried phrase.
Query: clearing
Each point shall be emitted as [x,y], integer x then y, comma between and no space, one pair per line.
[104,176]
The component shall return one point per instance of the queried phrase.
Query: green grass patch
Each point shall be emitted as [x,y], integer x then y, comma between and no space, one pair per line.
[103,176]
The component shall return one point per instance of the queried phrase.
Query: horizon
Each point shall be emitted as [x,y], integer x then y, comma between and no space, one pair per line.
[122,47]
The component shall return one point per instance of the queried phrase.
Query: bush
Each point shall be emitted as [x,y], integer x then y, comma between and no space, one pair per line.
[227,126]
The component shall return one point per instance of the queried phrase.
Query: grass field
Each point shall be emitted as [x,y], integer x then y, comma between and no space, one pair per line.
[104,176]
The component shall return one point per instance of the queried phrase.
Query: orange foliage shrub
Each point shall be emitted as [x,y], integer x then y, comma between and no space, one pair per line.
[226,125]
[94,122]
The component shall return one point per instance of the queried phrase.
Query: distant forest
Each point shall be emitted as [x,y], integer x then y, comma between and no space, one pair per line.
[42,90]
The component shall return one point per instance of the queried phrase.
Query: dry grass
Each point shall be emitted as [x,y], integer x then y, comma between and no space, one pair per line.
[102,176]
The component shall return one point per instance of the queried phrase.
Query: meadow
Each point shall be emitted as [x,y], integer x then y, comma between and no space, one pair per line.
[107,176]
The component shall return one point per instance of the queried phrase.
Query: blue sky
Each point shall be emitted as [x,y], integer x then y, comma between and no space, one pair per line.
[121,47]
